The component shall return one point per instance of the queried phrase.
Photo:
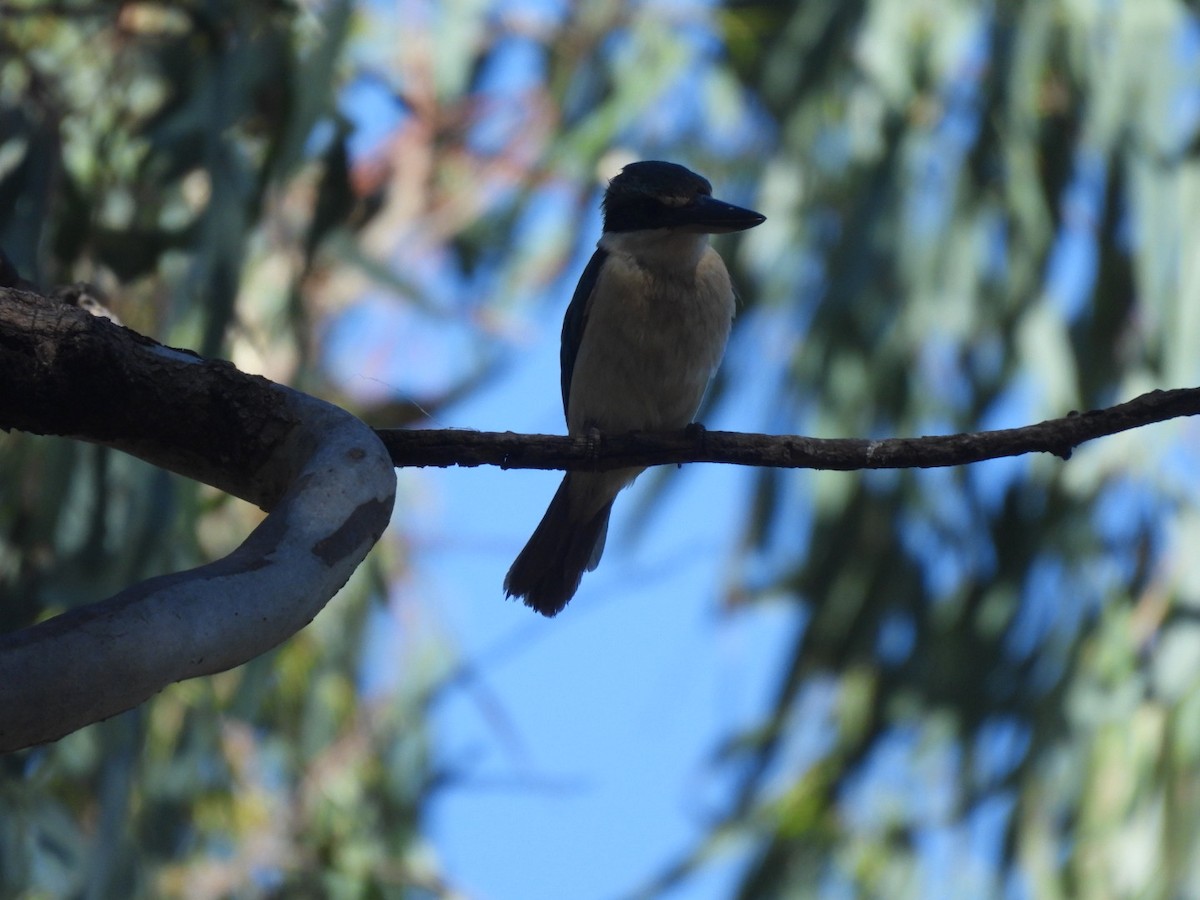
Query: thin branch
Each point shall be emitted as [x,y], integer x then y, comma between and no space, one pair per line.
[450,447]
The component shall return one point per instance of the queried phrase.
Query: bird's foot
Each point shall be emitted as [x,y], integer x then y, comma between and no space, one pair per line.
[694,431]
[592,436]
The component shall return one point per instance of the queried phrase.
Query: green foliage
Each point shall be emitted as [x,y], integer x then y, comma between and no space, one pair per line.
[981,214]
[192,160]
[989,195]
[144,148]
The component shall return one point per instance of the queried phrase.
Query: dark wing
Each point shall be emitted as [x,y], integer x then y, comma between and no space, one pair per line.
[576,320]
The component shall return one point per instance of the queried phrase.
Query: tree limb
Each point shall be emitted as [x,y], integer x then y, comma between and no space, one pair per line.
[321,473]
[452,447]
[328,484]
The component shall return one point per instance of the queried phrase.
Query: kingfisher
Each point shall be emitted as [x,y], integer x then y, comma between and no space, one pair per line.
[641,339]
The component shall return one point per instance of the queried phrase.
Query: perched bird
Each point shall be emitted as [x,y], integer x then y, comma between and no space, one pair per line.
[643,335]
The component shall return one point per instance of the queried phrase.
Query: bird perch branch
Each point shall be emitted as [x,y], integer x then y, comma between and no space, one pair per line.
[451,447]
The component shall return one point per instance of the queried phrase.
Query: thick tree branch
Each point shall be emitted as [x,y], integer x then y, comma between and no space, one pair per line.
[450,447]
[323,475]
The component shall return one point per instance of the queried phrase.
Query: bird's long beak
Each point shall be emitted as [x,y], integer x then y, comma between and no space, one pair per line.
[712,216]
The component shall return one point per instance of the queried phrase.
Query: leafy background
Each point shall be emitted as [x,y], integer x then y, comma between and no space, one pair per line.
[964,682]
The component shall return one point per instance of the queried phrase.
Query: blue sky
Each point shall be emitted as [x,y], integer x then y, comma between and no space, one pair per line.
[582,747]
[612,710]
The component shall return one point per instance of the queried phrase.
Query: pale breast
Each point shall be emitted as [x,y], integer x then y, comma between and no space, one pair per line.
[654,337]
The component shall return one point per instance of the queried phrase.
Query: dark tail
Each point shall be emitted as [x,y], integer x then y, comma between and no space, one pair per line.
[547,572]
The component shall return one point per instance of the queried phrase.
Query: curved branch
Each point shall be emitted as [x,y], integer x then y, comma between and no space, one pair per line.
[325,478]
[452,447]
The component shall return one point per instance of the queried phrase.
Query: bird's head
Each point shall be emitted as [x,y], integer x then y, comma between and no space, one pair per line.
[652,194]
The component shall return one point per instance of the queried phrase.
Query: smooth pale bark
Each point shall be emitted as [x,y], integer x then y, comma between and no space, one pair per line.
[323,476]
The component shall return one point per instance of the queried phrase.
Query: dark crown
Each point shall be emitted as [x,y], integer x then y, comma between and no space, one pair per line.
[651,194]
